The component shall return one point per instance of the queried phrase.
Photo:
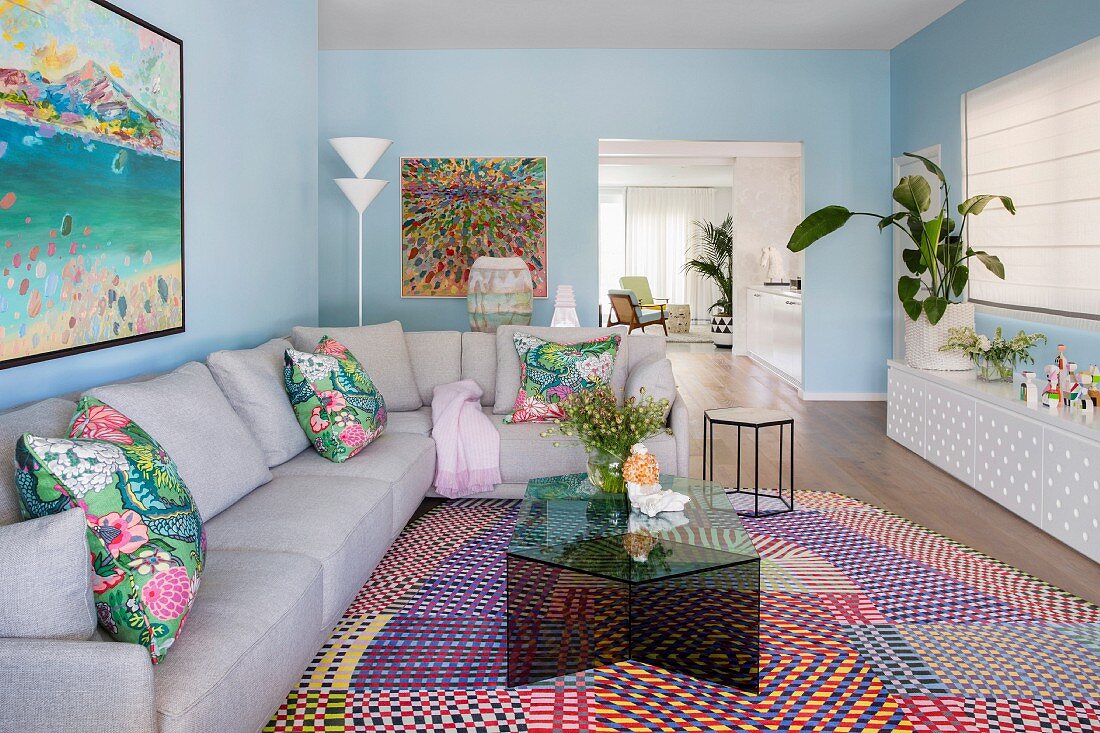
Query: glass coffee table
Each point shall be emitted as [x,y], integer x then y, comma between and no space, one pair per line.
[592,583]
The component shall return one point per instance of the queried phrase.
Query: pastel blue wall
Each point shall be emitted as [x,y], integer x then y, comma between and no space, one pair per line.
[977,42]
[250,76]
[559,103]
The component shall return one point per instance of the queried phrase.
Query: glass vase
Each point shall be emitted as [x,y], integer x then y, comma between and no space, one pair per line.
[991,369]
[605,471]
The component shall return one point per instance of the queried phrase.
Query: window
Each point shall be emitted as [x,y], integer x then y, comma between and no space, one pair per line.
[1035,136]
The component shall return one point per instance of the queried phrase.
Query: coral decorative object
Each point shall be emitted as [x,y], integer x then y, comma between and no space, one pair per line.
[641,467]
[638,545]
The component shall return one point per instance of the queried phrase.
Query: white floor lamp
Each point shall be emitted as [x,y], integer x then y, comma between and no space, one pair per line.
[360,154]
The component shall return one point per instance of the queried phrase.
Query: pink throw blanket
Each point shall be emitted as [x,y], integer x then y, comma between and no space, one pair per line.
[467,444]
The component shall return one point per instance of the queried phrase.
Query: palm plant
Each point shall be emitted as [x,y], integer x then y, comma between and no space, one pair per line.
[711,257]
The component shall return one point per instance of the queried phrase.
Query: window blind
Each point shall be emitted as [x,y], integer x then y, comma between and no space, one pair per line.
[1035,136]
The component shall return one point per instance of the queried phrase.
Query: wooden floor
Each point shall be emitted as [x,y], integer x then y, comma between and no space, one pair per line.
[842,447]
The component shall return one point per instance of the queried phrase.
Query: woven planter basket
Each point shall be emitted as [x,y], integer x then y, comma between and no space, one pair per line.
[923,340]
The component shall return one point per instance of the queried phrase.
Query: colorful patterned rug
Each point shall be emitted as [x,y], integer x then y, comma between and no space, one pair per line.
[869,623]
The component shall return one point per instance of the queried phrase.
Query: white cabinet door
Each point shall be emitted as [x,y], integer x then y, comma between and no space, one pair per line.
[762,326]
[788,336]
[905,410]
[1071,491]
[1009,461]
[949,434]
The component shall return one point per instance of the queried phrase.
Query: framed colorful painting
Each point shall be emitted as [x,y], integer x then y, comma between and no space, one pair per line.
[91,179]
[454,210]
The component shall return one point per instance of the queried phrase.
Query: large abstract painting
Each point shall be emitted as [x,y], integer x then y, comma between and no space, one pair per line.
[91,179]
[454,210]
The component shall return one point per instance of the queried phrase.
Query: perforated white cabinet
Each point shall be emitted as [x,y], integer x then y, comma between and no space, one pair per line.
[1071,491]
[1009,462]
[1042,464]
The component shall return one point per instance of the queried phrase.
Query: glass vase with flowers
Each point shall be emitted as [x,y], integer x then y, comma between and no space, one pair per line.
[994,358]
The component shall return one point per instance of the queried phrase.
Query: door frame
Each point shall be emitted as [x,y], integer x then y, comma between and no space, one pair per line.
[932,152]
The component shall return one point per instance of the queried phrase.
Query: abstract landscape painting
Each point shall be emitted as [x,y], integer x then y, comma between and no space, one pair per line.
[454,210]
[91,174]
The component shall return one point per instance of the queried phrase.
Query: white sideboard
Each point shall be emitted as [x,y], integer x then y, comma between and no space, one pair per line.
[775,331]
[1042,464]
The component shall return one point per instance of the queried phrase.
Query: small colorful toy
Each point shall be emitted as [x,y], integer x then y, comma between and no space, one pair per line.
[1029,389]
[1052,395]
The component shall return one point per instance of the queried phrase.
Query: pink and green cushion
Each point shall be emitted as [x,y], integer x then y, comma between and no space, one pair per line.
[145,534]
[550,372]
[335,400]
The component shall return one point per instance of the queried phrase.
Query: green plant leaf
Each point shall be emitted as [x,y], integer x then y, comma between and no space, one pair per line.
[948,227]
[992,262]
[934,308]
[914,194]
[959,279]
[912,308]
[976,204]
[932,167]
[888,220]
[912,259]
[908,287]
[817,225]
[916,228]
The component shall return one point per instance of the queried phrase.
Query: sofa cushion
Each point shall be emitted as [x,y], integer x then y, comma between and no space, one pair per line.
[186,412]
[654,375]
[418,422]
[508,362]
[479,363]
[382,351]
[550,372]
[525,454]
[252,381]
[344,525]
[256,628]
[335,400]
[404,460]
[49,419]
[642,347]
[144,533]
[436,359]
[46,577]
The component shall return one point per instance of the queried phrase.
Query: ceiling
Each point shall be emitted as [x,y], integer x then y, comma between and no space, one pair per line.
[776,24]
[675,176]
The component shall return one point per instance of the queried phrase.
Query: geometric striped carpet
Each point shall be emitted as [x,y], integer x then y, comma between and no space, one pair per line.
[868,623]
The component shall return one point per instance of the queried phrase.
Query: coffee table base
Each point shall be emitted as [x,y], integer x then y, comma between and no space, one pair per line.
[705,624]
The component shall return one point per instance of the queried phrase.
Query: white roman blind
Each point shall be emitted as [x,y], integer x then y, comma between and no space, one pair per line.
[1035,136]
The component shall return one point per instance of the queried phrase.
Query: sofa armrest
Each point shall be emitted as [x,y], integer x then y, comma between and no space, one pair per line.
[678,421]
[53,686]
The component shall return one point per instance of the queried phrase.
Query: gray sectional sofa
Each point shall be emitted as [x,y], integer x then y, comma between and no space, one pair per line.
[291,537]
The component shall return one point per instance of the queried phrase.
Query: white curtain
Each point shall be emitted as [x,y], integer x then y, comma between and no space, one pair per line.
[659,231]
[1035,136]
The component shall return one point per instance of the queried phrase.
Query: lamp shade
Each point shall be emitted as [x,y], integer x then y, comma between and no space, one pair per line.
[360,191]
[360,153]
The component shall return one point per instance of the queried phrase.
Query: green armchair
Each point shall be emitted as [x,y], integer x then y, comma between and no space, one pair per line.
[640,285]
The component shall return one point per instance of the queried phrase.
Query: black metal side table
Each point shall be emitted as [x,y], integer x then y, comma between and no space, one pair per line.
[755,418]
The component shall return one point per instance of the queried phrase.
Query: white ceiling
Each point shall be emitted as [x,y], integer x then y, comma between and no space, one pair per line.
[778,24]
[675,176]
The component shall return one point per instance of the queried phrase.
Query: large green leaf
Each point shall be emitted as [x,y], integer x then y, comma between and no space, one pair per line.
[934,308]
[948,227]
[817,225]
[912,260]
[959,278]
[992,262]
[914,194]
[912,308]
[888,220]
[932,167]
[976,204]
[908,287]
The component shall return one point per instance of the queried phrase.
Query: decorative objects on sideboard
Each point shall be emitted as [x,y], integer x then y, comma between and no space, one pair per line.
[499,293]
[360,154]
[939,261]
[455,210]
[565,308]
[711,258]
[82,272]
[995,358]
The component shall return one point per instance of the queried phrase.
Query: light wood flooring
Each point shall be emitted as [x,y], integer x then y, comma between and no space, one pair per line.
[842,447]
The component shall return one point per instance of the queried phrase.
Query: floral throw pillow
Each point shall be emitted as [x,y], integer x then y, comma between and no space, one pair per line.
[144,532]
[337,404]
[550,372]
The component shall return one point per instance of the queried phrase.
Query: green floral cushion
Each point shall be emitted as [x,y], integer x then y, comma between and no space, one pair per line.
[144,532]
[550,372]
[337,404]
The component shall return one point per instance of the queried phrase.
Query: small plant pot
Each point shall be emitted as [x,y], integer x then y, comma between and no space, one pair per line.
[721,331]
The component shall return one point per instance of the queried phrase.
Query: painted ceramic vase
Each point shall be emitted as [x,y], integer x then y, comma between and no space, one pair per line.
[499,293]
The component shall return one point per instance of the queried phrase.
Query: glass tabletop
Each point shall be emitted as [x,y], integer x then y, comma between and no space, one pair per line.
[565,522]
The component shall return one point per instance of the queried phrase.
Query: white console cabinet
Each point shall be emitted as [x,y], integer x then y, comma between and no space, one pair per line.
[1042,464]
[774,325]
